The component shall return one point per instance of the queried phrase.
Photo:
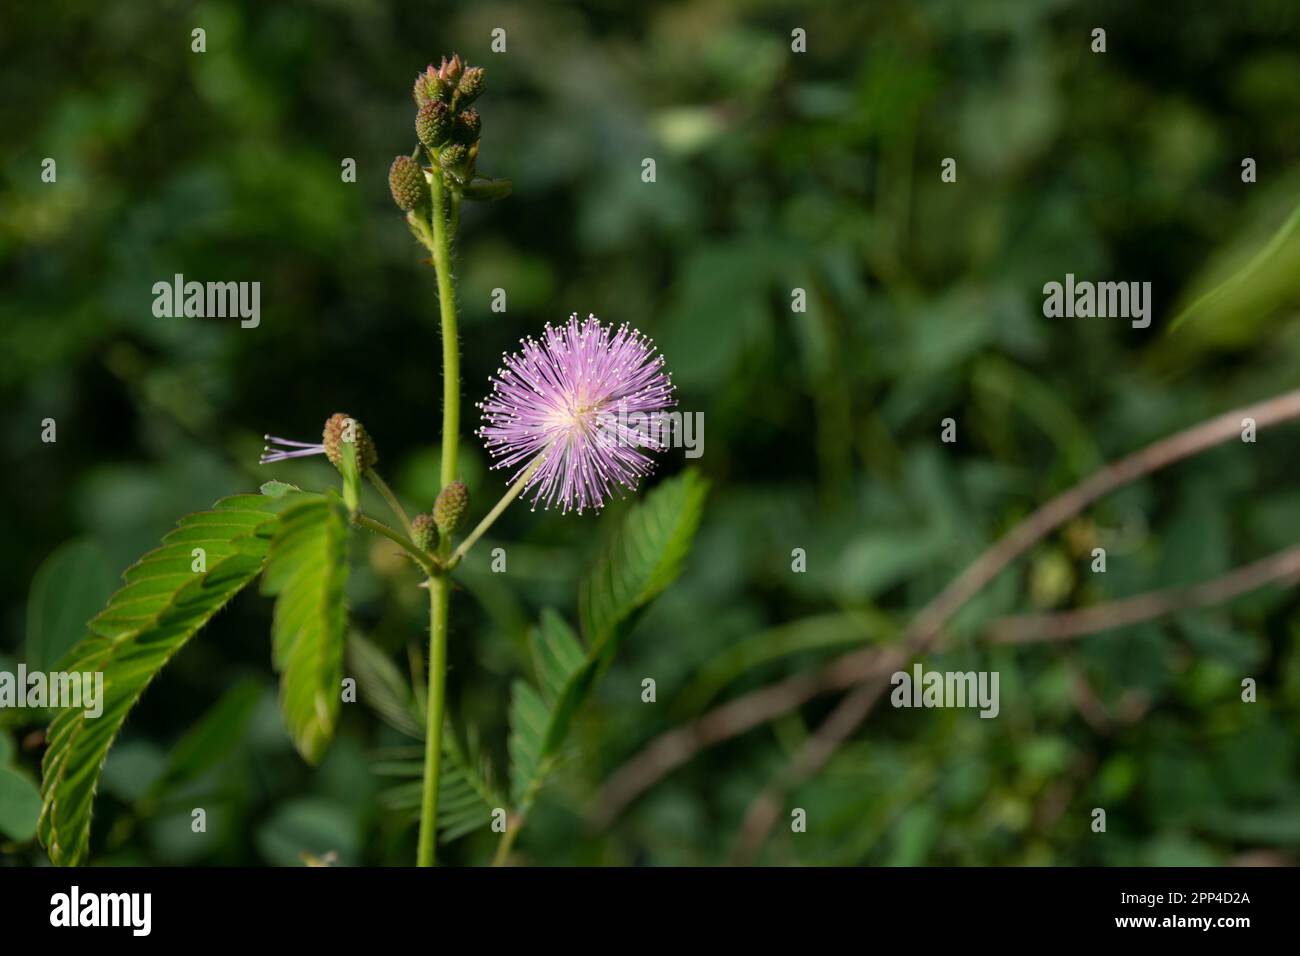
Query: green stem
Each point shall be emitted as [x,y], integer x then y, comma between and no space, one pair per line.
[450,344]
[415,655]
[393,504]
[439,584]
[439,593]
[507,842]
[406,544]
[511,494]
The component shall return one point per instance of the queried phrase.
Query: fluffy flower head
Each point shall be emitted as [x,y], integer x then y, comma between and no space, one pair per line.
[587,397]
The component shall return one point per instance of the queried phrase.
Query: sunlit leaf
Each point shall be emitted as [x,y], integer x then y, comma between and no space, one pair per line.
[166,600]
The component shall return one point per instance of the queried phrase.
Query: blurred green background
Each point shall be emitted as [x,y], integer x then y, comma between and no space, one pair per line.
[774,171]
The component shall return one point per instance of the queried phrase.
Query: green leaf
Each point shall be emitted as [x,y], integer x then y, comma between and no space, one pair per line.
[163,604]
[383,687]
[307,572]
[641,559]
[308,829]
[539,724]
[67,589]
[20,805]
[467,795]
[277,489]
[212,738]
[483,189]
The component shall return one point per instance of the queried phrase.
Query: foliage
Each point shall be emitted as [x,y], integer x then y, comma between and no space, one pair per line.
[775,171]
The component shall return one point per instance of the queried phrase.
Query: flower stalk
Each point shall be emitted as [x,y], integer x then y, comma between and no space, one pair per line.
[439,585]
[511,494]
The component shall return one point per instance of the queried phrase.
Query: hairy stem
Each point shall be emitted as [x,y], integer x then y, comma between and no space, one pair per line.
[406,544]
[439,593]
[393,504]
[439,585]
[450,345]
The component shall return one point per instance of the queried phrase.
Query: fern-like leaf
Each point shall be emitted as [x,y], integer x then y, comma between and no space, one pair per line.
[163,603]
[467,795]
[307,573]
[383,686]
[641,559]
[539,723]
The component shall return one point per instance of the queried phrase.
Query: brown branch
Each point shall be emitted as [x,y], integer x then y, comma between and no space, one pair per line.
[926,628]
[677,746]
[1020,629]
[1144,607]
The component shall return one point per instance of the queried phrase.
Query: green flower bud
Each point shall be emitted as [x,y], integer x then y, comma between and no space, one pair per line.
[433,124]
[454,160]
[424,532]
[430,87]
[470,86]
[409,187]
[341,428]
[468,126]
[452,508]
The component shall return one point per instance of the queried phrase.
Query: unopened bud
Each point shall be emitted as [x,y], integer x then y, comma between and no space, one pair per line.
[429,87]
[409,187]
[424,532]
[454,161]
[341,428]
[452,508]
[470,86]
[449,71]
[468,126]
[433,124]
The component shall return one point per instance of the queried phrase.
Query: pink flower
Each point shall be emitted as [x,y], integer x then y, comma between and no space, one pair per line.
[587,397]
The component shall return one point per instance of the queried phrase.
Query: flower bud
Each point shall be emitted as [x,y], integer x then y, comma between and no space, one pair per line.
[470,86]
[449,71]
[454,161]
[452,508]
[424,532]
[409,187]
[433,124]
[430,87]
[337,431]
[468,126]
